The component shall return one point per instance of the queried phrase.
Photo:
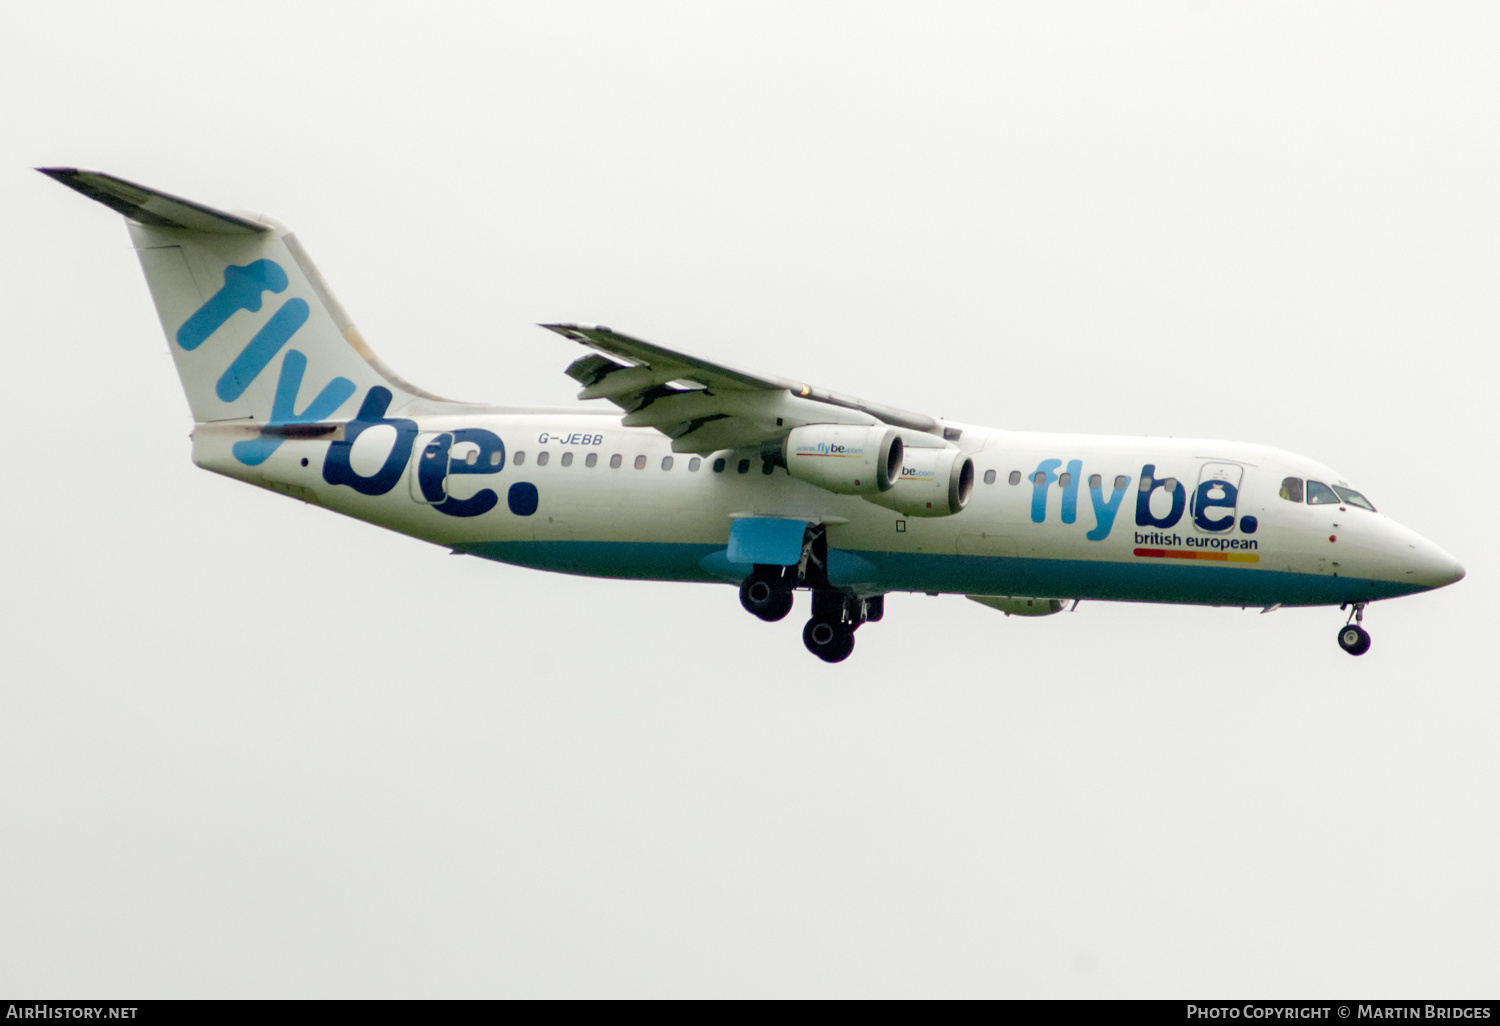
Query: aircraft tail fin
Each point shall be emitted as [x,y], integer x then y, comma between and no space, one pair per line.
[254,330]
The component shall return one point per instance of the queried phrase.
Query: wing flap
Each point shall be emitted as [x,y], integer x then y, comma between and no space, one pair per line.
[674,409]
[586,370]
[723,432]
[636,351]
[624,382]
[705,406]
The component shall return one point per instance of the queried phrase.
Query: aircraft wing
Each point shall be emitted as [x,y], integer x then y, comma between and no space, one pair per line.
[703,406]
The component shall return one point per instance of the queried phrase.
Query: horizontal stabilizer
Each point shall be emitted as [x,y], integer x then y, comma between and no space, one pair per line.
[150,207]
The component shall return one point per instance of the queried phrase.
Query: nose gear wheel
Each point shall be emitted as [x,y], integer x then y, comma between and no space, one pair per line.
[1353,638]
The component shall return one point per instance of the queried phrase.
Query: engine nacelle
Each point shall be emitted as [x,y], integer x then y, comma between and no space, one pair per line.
[933,483]
[844,458]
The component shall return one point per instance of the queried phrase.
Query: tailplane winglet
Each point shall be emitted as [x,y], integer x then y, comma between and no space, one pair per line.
[151,207]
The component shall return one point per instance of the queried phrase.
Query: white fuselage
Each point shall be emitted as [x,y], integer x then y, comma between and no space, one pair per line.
[612,501]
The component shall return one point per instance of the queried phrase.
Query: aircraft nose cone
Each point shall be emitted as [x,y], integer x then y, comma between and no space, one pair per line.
[1436,569]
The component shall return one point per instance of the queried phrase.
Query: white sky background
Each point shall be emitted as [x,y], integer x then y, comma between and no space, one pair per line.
[254,749]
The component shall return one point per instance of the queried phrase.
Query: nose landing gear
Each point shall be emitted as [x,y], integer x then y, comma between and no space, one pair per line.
[1353,638]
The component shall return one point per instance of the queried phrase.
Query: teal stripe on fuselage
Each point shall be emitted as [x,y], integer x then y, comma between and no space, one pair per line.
[635,561]
[972,575]
[1127,582]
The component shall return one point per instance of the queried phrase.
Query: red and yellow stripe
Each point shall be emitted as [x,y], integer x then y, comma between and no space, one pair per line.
[1217,557]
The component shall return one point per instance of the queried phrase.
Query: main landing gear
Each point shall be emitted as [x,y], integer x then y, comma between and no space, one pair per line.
[836,614]
[829,635]
[1353,638]
[768,592]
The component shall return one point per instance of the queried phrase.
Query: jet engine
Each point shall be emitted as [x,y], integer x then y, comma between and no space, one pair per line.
[843,458]
[933,483]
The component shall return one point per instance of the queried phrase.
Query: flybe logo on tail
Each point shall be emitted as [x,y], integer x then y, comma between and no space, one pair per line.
[244,289]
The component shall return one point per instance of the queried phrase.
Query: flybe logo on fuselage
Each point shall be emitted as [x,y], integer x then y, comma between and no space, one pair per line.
[1211,506]
[437,467]
[244,289]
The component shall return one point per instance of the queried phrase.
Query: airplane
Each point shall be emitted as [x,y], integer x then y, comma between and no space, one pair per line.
[695,471]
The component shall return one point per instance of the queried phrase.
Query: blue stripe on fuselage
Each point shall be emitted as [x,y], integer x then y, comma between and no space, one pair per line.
[973,575]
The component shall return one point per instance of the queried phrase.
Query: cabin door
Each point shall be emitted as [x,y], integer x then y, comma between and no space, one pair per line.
[429,472]
[1215,500]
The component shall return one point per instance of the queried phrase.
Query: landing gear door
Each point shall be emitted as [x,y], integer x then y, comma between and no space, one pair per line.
[429,470]
[1214,501]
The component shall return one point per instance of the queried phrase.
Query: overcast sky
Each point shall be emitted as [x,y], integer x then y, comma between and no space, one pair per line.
[251,748]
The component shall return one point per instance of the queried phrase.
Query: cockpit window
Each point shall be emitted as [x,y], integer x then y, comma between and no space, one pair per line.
[1353,498]
[1319,494]
[1291,489]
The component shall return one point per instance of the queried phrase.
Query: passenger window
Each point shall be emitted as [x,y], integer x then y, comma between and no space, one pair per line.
[567,459]
[1015,477]
[542,457]
[989,477]
[694,463]
[666,463]
[719,465]
[640,463]
[1146,483]
[1063,480]
[743,467]
[1169,485]
[519,458]
[1095,482]
[1291,489]
[1120,482]
[591,460]
[1319,494]
[495,458]
[473,458]
[1353,498]
[1039,479]
[615,461]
